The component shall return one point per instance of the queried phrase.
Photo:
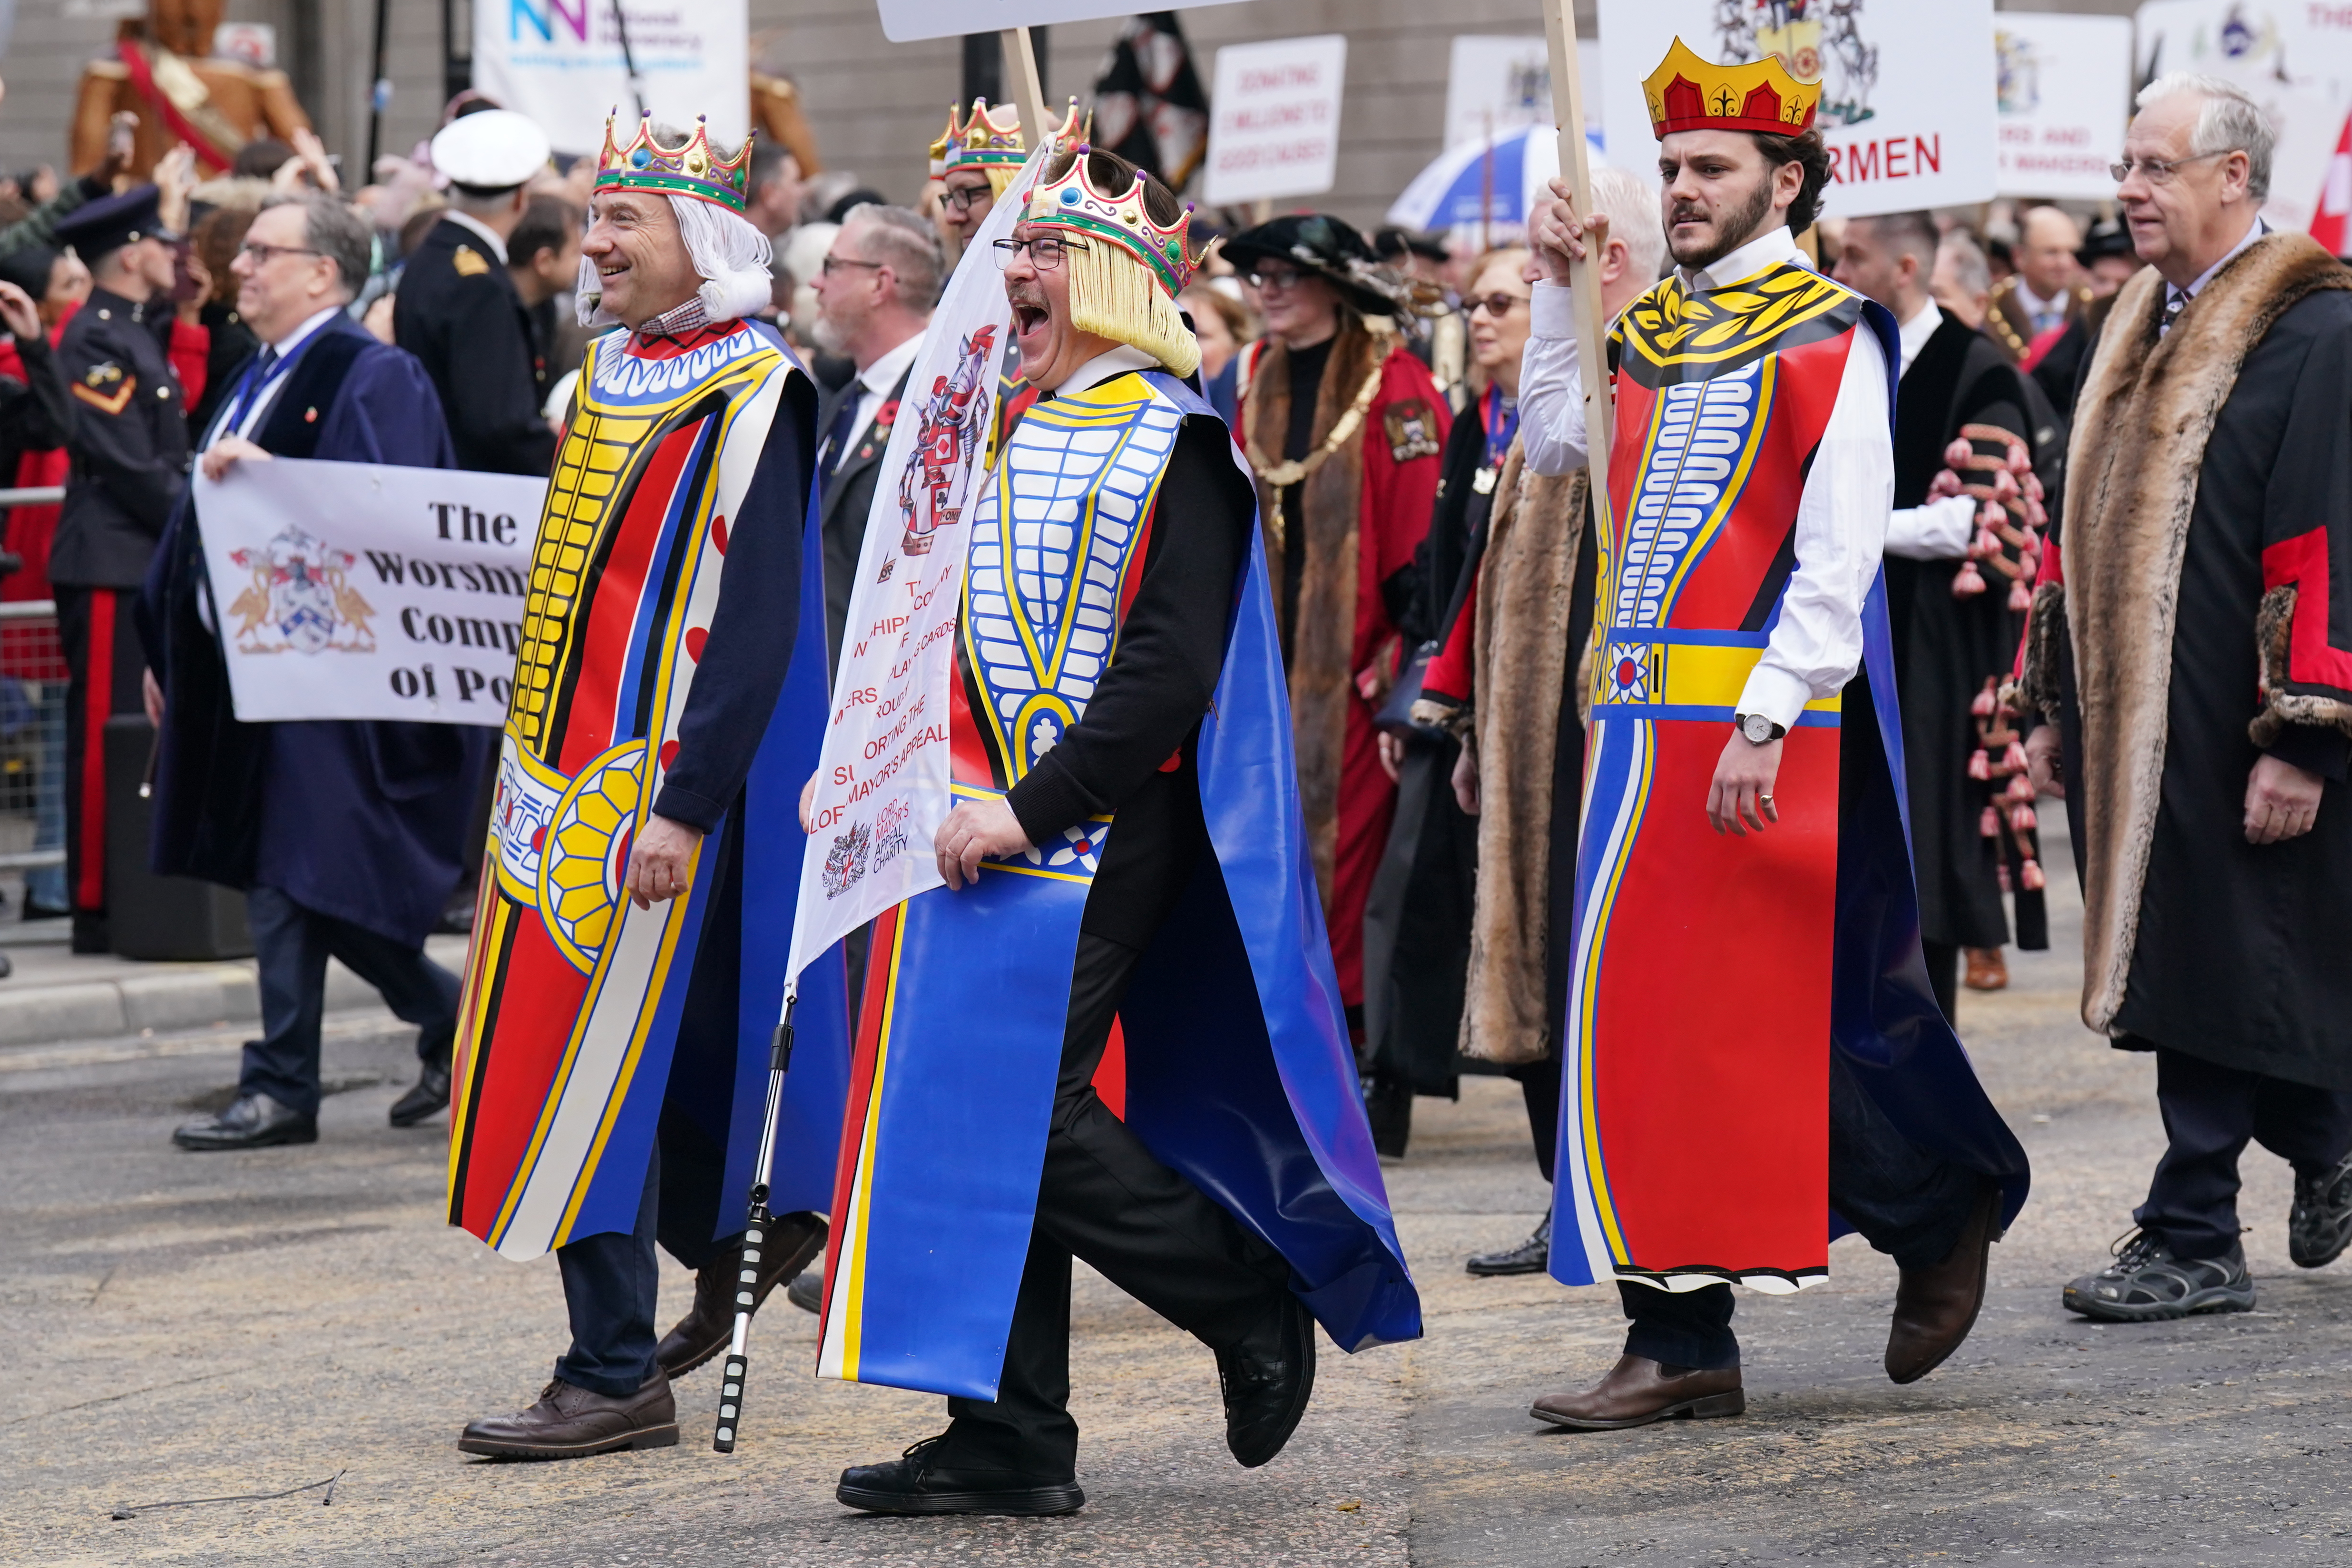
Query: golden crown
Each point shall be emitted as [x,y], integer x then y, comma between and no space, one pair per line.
[988,138]
[1686,93]
[1072,203]
[694,170]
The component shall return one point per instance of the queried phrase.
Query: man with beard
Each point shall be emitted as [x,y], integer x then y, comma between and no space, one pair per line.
[1947,644]
[1345,430]
[1744,1048]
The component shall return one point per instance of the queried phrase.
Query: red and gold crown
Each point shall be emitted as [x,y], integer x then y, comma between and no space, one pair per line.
[1072,204]
[694,170]
[989,139]
[1686,93]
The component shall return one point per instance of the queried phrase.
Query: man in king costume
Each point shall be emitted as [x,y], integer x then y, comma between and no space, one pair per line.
[1116,697]
[627,963]
[1754,1060]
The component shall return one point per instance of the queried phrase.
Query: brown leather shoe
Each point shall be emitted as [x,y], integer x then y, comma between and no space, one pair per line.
[710,1323]
[1639,1390]
[569,1422]
[1987,970]
[1936,1307]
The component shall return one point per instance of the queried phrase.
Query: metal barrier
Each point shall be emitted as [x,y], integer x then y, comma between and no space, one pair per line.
[32,736]
[39,495]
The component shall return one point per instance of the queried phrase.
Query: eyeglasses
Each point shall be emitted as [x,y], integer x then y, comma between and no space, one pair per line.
[1266,282]
[262,254]
[963,198]
[2159,171]
[833,262]
[1495,305]
[1045,251]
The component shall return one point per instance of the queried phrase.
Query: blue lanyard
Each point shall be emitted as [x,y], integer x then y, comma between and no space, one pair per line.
[1492,414]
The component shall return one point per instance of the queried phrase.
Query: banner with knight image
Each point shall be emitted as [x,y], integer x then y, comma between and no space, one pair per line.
[2296,62]
[1907,89]
[355,591]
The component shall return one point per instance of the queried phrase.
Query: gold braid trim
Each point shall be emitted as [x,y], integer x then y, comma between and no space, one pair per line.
[1281,475]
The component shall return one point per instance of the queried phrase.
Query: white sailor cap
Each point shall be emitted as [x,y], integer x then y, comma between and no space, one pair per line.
[493,150]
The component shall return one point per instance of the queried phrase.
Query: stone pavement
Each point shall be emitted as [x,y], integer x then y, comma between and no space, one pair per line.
[188,1327]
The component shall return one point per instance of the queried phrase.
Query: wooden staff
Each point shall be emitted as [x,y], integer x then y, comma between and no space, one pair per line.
[1022,58]
[1584,277]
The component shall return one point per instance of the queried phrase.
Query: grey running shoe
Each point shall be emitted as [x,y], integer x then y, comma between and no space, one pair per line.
[2145,1283]
[2320,1223]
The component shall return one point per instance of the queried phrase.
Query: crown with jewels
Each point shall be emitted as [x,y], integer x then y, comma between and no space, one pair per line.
[1686,93]
[694,170]
[990,138]
[1072,203]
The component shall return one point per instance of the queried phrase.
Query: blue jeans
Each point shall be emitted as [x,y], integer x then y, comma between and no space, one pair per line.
[293,944]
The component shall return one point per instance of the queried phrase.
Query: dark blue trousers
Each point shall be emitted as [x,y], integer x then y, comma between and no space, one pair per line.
[2210,1114]
[293,945]
[609,1282]
[1905,1201]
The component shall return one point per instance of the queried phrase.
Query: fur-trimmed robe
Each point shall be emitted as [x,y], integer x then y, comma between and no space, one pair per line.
[1365,510]
[2208,511]
[1521,646]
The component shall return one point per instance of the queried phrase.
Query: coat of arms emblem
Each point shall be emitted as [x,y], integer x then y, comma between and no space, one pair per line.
[1817,40]
[299,598]
[954,416]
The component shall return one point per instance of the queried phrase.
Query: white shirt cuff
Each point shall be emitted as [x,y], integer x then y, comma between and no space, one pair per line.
[1775,693]
[1941,529]
[1552,312]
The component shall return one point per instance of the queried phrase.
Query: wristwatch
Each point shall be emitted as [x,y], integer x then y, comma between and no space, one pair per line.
[1757,729]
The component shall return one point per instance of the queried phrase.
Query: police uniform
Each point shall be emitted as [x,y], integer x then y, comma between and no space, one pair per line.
[128,446]
[457,311]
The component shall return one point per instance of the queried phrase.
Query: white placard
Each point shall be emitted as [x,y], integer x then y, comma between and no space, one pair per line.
[2295,60]
[355,591]
[2064,94]
[1496,84]
[906,21]
[560,62]
[1274,119]
[1907,95]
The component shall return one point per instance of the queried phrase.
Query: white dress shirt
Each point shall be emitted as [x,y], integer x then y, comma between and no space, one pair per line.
[2254,231]
[244,420]
[875,382]
[1940,529]
[1816,645]
[2041,314]
[488,234]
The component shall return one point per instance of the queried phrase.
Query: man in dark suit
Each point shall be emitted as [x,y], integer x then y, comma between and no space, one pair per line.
[344,836]
[457,311]
[881,280]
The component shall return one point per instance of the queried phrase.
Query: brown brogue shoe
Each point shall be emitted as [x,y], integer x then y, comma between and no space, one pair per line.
[570,1423]
[1639,1390]
[710,1323]
[1987,970]
[1936,1307]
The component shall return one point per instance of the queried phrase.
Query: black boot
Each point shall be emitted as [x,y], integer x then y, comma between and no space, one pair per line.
[1267,1379]
[917,1483]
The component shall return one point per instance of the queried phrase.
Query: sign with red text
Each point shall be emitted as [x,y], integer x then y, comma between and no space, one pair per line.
[360,591]
[1274,124]
[2295,60]
[1907,89]
[2063,87]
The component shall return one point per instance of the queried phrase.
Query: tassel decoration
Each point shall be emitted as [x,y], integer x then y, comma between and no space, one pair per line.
[2014,759]
[2020,597]
[1979,764]
[1981,705]
[2031,875]
[1968,582]
[2021,817]
[1989,825]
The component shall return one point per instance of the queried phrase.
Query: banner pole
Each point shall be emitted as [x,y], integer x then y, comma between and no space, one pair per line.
[1584,281]
[1023,58]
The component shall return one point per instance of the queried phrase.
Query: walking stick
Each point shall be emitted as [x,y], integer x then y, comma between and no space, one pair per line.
[1583,277]
[755,1234]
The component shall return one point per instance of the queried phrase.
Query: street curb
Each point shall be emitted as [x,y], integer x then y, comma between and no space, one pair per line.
[185,996]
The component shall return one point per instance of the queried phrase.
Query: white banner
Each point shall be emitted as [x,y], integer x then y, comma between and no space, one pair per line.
[1499,84]
[882,779]
[907,21]
[2295,60]
[560,62]
[2065,97]
[1274,119]
[353,591]
[1907,96]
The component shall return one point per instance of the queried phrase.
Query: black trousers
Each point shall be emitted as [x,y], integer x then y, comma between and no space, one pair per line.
[1103,1197]
[293,945]
[104,669]
[1904,1200]
[2209,1113]
[1539,1085]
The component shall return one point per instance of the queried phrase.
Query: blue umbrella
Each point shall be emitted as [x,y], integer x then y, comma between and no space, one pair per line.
[1451,192]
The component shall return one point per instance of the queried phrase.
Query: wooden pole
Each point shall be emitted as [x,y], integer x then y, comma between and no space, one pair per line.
[1022,59]
[1584,279]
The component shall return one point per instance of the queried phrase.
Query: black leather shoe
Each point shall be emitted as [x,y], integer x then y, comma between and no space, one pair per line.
[1532,1256]
[1267,1379]
[2319,1225]
[915,1483]
[807,1290]
[429,1095]
[251,1121]
[570,1423]
[710,1323]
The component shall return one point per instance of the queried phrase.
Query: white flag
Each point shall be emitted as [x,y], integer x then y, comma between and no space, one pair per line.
[882,782]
